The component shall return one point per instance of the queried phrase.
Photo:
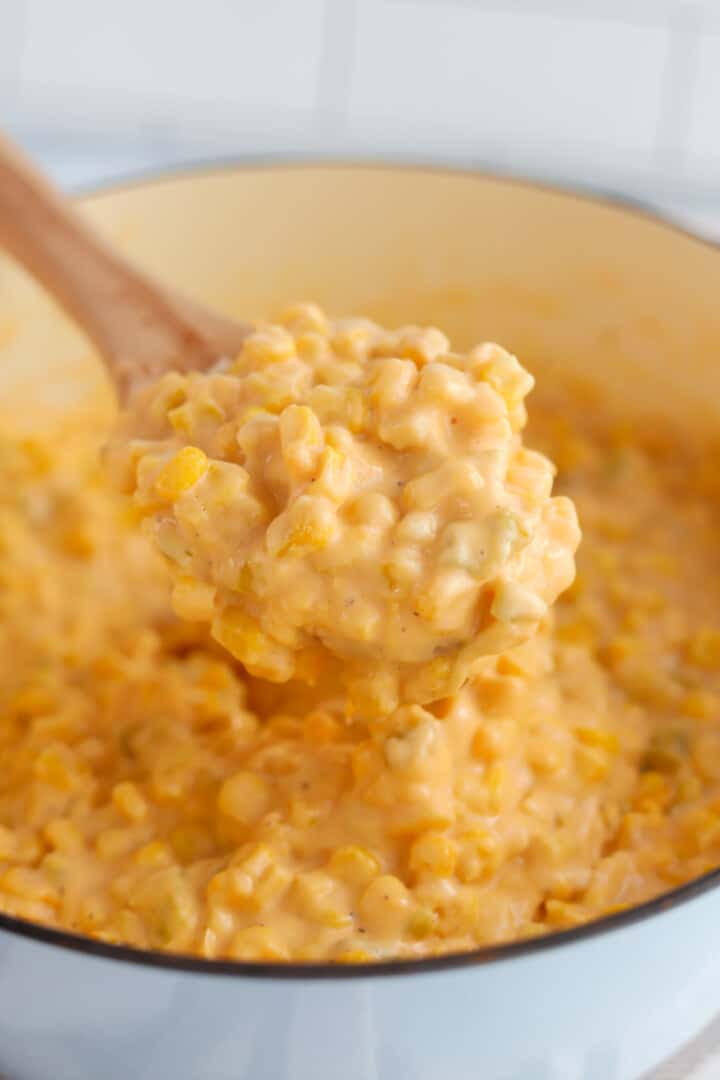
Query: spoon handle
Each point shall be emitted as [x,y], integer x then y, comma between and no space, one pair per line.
[140,328]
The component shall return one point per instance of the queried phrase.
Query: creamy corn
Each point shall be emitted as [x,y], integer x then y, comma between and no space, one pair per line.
[351,504]
[154,794]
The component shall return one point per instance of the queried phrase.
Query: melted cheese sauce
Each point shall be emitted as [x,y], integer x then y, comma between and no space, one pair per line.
[155,794]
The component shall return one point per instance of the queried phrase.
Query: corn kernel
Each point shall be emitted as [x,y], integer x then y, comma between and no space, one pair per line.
[385,905]
[304,317]
[422,924]
[114,843]
[241,635]
[193,600]
[30,884]
[701,704]
[310,524]
[129,801]
[320,898]
[61,834]
[181,473]
[433,853]
[269,345]
[301,438]
[703,648]
[354,864]
[593,736]
[354,956]
[321,728]
[257,943]
[244,798]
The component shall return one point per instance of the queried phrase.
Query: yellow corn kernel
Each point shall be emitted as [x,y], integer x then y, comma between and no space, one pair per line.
[190,842]
[28,847]
[434,681]
[320,898]
[7,844]
[155,854]
[365,761]
[375,694]
[241,635]
[284,726]
[268,345]
[114,843]
[354,956]
[355,410]
[57,766]
[252,413]
[593,762]
[30,884]
[57,865]
[384,906]
[304,815]
[391,382]
[193,600]
[33,701]
[182,418]
[706,756]
[181,473]
[502,371]
[313,348]
[244,798]
[355,865]
[701,704]
[62,835]
[560,914]
[495,780]
[513,602]
[404,567]
[321,728]
[689,789]
[422,345]
[546,757]
[301,438]
[654,791]
[703,648]
[308,525]
[422,924]
[257,943]
[168,905]
[593,736]
[335,475]
[255,880]
[128,799]
[701,829]
[432,853]
[305,318]
[621,647]
[93,912]
[578,632]
[492,740]
[353,342]
[312,663]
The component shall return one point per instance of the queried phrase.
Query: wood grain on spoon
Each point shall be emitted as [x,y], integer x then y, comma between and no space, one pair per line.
[140,327]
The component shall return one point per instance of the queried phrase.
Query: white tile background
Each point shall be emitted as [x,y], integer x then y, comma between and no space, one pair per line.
[619,94]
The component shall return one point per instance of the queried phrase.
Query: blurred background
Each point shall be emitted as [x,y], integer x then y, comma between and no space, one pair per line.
[621,95]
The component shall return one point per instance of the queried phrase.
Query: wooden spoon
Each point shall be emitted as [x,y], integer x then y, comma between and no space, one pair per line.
[141,328]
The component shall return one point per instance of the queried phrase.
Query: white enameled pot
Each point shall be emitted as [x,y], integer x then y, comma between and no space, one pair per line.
[568,283]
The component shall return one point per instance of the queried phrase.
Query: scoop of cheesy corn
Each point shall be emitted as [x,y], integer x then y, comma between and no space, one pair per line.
[352,505]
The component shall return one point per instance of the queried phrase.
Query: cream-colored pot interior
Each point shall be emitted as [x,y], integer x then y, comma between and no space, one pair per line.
[560,280]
